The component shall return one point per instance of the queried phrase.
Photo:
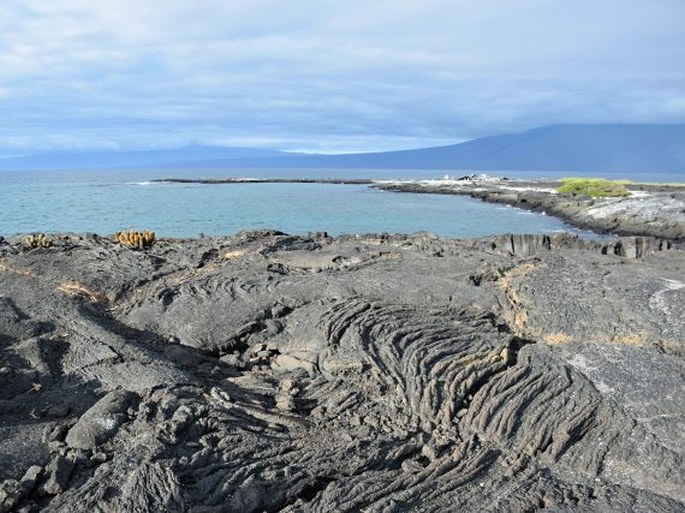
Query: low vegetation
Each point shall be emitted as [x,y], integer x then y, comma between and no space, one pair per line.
[38,240]
[134,239]
[594,187]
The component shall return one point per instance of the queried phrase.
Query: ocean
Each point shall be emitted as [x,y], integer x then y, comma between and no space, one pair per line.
[107,201]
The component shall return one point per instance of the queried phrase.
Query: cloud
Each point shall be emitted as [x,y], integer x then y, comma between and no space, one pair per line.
[330,75]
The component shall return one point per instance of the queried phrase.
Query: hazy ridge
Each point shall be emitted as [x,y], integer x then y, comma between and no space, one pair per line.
[605,148]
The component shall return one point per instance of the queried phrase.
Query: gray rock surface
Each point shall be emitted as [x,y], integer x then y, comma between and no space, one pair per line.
[266,372]
[101,421]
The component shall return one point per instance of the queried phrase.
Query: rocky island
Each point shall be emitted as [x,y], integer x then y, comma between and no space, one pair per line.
[267,372]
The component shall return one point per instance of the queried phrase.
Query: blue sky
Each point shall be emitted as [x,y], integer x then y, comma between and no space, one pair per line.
[329,75]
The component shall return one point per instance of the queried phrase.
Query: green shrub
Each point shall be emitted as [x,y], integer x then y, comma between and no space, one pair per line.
[594,187]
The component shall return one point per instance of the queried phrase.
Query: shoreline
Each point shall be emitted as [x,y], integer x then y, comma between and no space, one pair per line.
[522,245]
[228,181]
[652,210]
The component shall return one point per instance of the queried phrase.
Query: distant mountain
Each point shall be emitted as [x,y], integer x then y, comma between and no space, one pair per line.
[599,148]
[572,148]
[191,156]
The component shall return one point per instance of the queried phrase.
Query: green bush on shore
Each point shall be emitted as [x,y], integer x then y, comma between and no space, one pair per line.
[594,187]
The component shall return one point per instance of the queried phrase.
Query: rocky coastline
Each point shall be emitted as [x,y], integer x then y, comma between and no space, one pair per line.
[652,210]
[229,181]
[655,210]
[268,372]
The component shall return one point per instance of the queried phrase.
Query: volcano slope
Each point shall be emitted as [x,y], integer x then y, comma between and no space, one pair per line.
[267,372]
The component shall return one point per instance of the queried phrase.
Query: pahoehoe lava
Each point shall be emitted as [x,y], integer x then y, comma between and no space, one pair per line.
[266,372]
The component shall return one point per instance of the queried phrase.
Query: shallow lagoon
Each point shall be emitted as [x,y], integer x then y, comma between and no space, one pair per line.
[103,202]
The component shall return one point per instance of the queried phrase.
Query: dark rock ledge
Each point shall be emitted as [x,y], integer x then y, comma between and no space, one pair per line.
[265,372]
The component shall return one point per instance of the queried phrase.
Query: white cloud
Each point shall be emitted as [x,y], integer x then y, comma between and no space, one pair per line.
[331,73]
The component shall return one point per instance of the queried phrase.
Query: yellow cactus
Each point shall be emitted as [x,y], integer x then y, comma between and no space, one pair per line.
[148,238]
[134,239]
[38,240]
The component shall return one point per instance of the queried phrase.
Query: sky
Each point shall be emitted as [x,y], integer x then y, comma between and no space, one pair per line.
[331,76]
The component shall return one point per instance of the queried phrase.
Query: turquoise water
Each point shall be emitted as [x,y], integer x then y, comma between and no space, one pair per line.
[104,202]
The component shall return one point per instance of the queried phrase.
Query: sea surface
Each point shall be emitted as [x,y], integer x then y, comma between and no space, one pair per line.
[107,201]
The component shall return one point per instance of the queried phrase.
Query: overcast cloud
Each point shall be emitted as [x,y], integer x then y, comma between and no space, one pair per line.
[330,75]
